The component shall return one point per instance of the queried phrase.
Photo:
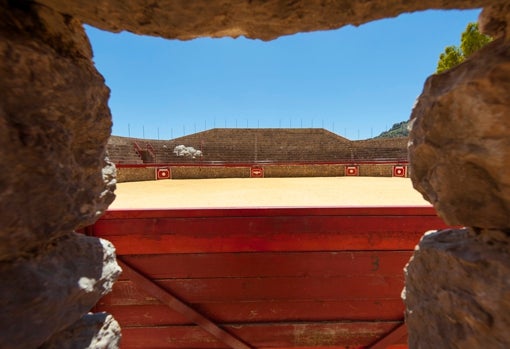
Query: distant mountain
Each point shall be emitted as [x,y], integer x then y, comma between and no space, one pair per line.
[397,130]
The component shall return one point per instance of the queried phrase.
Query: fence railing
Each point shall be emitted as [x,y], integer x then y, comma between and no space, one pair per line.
[138,149]
[263,274]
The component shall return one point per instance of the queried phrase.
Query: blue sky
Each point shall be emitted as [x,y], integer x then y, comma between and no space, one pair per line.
[354,81]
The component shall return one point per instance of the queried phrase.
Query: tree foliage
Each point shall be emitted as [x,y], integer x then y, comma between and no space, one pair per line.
[451,57]
[471,41]
[397,130]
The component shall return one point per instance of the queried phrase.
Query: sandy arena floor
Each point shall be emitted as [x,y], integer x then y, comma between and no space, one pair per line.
[268,192]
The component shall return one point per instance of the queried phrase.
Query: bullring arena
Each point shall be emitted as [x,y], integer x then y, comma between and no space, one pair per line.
[257,243]
[306,167]
[268,192]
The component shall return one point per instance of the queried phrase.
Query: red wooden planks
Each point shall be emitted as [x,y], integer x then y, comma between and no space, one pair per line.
[290,264]
[236,230]
[175,303]
[231,225]
[278,274]
[156,314]
[270,288]
[396,336]
[272,212]
[281,335]
[246,242]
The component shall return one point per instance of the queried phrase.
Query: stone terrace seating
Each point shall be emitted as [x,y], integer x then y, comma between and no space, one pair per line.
[380,149]
[121,151]
[268,145]
[237,145]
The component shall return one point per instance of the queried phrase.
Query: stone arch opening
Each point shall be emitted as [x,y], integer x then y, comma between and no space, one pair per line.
[53,99]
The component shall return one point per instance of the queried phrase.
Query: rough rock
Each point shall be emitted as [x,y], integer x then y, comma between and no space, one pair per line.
[54,125]
[46,293]
[457,284]
[92,331]
[494,19]
[54,176]
[460,140]
[183,19]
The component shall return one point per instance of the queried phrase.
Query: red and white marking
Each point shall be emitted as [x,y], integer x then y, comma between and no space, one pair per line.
[257,172]
[399,171]
[163,173]
[352,170]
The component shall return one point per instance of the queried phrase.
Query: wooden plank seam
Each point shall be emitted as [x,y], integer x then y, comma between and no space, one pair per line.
[179,306]
[391,338]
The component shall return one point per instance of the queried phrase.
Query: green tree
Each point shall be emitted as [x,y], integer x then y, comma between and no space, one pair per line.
[451,57]
[471,41]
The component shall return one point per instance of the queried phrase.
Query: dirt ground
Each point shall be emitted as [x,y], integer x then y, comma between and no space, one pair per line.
[268,192]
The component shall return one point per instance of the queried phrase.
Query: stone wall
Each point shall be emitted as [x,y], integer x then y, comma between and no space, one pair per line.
[135,174]
[55,177]
[304,170]
[184,172]
[125,173]
[457,280]
[376,170]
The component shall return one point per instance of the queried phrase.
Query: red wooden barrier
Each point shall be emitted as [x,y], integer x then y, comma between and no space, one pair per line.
[263,278]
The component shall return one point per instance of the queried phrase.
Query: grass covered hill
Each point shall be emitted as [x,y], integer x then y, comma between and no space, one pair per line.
[397,130]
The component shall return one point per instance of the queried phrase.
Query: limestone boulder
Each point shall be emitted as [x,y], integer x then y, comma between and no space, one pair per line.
[460,140]
[91,331]
[494,20]
[54,125]
[457,291]
[266,20]
[49,291]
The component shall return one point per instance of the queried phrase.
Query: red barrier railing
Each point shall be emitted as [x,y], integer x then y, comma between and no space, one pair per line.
[246,277]
[266,163]
[151,151]
[266,229]
[138,149]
